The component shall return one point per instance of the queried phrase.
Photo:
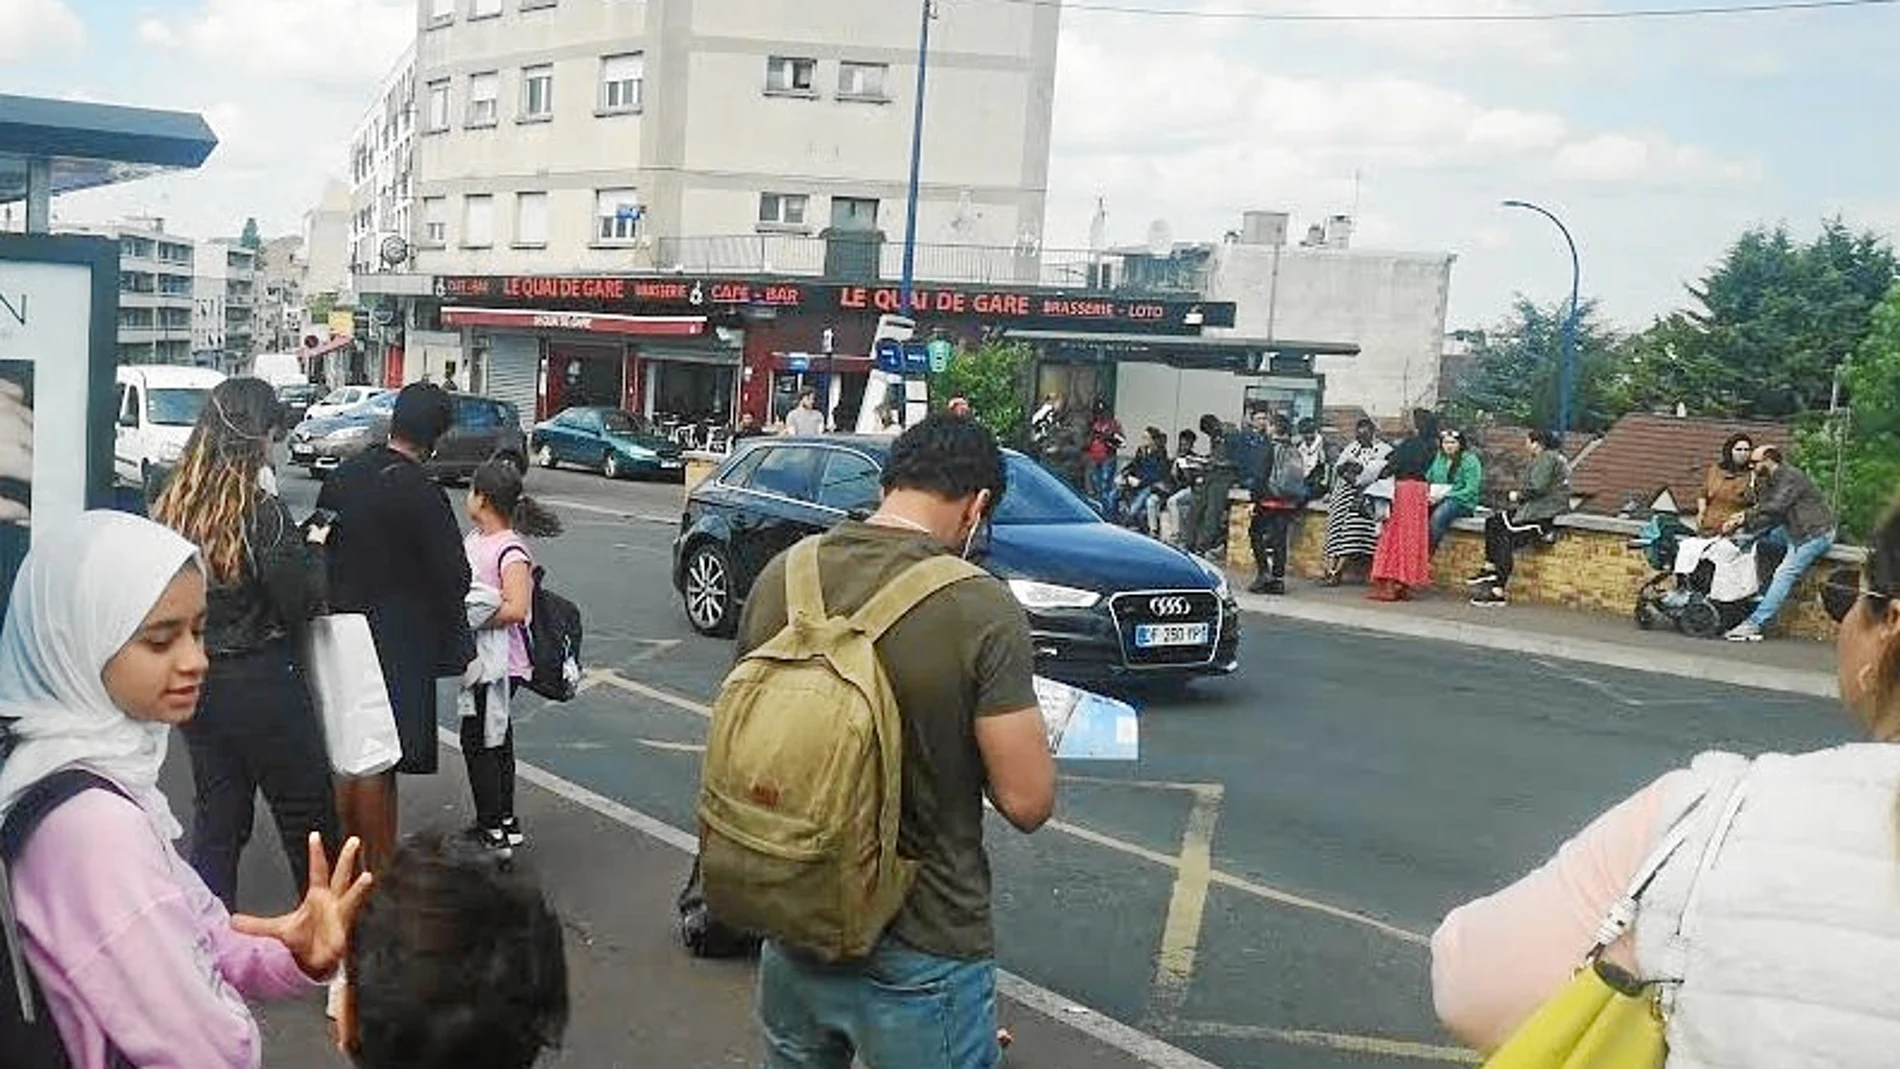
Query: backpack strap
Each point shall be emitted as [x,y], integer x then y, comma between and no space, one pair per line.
[909,590]
[32,807]
[804,593]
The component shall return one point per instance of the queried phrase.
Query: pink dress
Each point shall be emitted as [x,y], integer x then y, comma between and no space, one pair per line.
[1404,554]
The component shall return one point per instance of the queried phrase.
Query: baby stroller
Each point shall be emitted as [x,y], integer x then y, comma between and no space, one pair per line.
[1702,586]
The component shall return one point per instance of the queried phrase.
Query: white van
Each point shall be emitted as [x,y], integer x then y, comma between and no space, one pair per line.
[158,405]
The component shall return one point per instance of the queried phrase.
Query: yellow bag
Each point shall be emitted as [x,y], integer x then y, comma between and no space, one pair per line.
[1603,1018]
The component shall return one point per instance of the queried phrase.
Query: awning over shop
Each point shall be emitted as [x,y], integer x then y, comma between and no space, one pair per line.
[317,352]
[1244,355]
[83,146]
[581,322]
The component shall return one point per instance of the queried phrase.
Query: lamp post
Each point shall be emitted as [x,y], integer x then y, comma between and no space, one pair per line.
[916,161]
[1569,329]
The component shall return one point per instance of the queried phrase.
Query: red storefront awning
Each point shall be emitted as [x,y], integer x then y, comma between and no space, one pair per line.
[339,341]
[583,322]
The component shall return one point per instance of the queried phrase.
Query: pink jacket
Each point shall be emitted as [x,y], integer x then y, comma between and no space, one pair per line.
[132,950]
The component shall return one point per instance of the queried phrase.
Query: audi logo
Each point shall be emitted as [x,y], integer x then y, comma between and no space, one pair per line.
[1170,606]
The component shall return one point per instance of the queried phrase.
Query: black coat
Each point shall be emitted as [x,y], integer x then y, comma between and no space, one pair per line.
[395,554]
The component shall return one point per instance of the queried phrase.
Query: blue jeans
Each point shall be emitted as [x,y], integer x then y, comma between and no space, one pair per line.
[1444,514]
[1102,482]
[898,1009]
[1799,559]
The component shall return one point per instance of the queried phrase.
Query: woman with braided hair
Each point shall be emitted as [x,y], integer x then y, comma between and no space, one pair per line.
[256,727]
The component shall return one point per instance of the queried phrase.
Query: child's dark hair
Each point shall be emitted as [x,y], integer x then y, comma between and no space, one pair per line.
[499,482]
[455,963]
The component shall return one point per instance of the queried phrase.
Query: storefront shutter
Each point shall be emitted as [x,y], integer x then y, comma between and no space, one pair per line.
[514,360]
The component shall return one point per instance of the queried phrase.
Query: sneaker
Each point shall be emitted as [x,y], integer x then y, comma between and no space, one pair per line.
[1487,576]
[1274,586]
[1491,598]
[495,841]
[1744,632]
[512,828]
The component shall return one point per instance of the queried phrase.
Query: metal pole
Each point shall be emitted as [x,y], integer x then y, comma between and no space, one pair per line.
[39,195]
[916,165]
[1567,372]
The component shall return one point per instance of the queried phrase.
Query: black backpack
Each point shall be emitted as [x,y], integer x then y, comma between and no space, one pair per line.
[27,1032]
[554,643]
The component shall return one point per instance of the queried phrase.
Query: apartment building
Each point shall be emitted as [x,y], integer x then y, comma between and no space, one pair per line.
[225,305]
[155,289]
[382,173]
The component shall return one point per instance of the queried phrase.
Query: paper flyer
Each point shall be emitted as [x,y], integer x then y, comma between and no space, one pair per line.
[1087,726]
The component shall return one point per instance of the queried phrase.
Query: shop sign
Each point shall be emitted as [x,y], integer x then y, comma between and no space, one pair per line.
[1058,309]
[621,293]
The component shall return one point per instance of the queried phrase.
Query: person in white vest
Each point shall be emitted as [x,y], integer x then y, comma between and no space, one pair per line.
[1773,930]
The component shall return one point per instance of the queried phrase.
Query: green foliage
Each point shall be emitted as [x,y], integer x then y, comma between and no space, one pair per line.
[995,379]
[251,239]
[1515,368]
[1866,441]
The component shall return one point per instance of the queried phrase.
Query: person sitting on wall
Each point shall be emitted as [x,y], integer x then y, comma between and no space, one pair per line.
[1791,512]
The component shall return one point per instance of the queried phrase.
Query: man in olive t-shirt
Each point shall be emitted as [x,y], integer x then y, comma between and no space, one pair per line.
[960,666]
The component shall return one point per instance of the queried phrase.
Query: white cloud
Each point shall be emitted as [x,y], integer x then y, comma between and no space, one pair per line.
[39,30]
[331,42]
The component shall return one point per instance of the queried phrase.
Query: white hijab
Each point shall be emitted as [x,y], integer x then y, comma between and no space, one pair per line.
[81,595]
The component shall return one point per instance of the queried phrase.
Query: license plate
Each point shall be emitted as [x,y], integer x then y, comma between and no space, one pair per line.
[671,463]
[1148,636]
[302,451]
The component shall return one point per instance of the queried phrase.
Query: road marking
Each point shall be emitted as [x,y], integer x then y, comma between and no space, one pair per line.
[1181,932]
[1390,1048]
[611,678]
[654,647]
[1150,1049]
[673,747]
[598,510]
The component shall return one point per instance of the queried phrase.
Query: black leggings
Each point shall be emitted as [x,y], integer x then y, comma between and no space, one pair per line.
[1502,537]
[256,729]
[1269,531]
[491,769]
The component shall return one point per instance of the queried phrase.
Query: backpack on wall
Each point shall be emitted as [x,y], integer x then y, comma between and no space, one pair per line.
[554,642]
[28,1035]
[1286,479]
[801,791]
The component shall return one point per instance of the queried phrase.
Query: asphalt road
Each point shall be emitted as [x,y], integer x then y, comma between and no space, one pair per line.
[1258,888]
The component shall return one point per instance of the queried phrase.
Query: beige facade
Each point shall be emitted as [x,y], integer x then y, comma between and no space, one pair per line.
[725,136]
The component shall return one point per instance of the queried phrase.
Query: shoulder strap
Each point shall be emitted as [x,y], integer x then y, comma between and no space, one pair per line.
[1622,914]
[39,800]
[804,592]
[909,590]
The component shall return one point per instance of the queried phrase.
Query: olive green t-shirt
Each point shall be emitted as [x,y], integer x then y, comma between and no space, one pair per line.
[963,653]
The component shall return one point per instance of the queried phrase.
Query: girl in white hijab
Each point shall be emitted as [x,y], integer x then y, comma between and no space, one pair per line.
[101,655]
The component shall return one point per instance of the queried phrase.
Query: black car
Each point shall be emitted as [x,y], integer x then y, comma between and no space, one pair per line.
[1104,603]
[483,428]
[296,399]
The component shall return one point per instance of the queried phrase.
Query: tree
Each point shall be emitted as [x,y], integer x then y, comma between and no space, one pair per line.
[251,239]
[1859,450]
[994,377]
[1515,370]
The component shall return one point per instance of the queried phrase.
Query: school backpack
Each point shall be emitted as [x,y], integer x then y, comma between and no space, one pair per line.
[801,790]
[28,1035]
[1286,479]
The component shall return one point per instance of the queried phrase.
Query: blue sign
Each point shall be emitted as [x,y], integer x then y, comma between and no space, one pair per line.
[889,354]
[797,362]
[916,358]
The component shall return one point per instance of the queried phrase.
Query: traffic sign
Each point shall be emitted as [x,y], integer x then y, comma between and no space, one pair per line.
[940,350]
[916,358]
[889,353]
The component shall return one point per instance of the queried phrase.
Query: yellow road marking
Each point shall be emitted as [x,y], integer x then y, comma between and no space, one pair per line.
[611,678]
[1181,933]
[1355,1044]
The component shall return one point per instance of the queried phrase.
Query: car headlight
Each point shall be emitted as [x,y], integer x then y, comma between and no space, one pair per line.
[639,453]
[1219,577]
[345,433]
[1034,595]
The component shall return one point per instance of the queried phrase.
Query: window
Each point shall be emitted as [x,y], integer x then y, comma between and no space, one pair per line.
[484,9]
[786,471]
[435,220]
[1035,496]
[782,209]
[862,81]
[849,482]
[482,89]
[439,105]
[537,93]
[531,218]
[441,10]
[853,213]
[478,220]
[618,212]
[784,74]
[476,414]
[530,5]
[621,78]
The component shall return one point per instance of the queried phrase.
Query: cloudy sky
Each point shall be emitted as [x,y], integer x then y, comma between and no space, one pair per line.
[1657,140]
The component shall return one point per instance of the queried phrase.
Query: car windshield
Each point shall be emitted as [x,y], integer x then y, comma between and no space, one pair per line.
[175,406]
[340,397]
[1035,496]
[296,393]
[624,423]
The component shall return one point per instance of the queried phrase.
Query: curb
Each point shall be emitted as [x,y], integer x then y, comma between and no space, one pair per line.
[1589,651]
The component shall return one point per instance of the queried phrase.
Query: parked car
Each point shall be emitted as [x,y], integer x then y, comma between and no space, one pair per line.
[614,442]
[158,406]
[296,399]
[483,428]
[1104,603]
[342,399]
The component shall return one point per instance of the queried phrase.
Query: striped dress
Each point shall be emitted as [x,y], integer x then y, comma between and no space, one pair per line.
[1350,529]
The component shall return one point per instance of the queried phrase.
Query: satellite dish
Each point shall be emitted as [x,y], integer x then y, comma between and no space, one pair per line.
[1160,238]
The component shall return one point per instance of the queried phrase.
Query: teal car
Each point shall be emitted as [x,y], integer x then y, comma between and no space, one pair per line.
[612,442]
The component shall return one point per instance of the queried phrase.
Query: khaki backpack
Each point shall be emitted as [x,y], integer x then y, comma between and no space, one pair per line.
[801,792]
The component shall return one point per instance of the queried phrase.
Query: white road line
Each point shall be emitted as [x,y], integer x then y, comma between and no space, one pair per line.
[1097,1026]
[599,510]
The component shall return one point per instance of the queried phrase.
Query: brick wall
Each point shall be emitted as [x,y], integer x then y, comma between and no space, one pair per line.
[1588,569]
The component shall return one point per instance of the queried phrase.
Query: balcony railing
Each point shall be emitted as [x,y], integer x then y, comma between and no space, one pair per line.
[870,258]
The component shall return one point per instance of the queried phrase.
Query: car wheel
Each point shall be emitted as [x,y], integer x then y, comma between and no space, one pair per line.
[707,591]
[610,466]
[544,456]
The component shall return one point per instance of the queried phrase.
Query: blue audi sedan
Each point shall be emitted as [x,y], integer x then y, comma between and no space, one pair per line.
[1104,604]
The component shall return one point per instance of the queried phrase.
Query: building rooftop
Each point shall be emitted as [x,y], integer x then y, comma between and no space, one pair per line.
[1645,453]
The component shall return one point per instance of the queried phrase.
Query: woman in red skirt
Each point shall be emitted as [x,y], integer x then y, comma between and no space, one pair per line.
[1404,557]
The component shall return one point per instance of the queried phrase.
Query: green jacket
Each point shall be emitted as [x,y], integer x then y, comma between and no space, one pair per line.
[1468,487]
[1546,491]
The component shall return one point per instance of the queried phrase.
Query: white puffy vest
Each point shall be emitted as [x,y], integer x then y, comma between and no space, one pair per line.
[1794,956]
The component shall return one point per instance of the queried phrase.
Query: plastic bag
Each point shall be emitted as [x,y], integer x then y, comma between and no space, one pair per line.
[346,683]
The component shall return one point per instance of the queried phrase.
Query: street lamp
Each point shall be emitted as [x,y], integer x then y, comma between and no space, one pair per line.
[916,160]
[1569,328]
